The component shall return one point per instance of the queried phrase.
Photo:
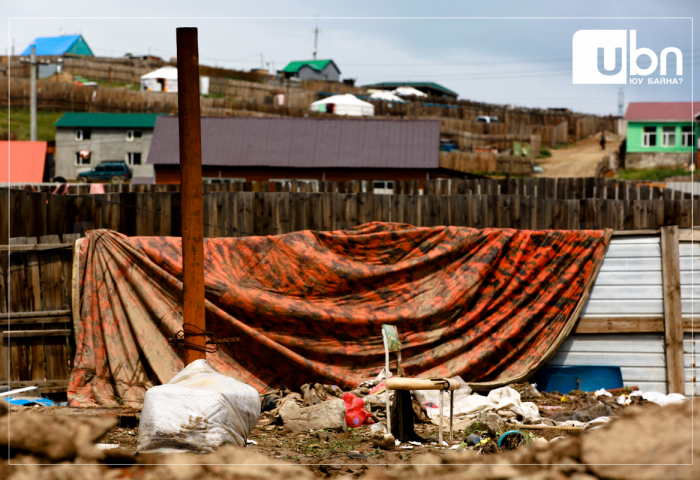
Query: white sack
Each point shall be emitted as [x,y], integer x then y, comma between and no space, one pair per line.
[504,398]
[198,410]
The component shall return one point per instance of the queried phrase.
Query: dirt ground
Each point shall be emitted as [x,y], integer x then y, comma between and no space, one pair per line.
[579,159]
[645,443]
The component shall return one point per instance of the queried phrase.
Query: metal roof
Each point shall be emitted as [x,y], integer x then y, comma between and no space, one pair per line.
[71,44]
[26,161]
[418,85]
[661,111]
[293,67]
[304,142]
[108,120]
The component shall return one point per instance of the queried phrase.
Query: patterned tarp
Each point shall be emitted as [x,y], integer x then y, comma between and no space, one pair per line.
[490,305]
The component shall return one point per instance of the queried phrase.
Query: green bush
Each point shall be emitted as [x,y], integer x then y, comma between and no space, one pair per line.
[650,174]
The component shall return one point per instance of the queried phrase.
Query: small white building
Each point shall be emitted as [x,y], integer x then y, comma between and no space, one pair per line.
[165,80]
[344,105]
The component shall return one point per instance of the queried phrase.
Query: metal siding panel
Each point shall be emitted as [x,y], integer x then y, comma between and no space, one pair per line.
[613,278]
[621,292]
[640,356]
[621,307]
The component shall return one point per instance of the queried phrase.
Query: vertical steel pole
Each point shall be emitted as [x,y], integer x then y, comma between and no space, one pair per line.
[191,191]
[32,94]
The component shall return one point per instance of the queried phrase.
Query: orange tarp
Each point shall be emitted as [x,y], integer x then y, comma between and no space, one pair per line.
[490,305]
[26,161]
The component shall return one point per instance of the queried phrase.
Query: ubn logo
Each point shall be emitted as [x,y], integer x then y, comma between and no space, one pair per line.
[600,56]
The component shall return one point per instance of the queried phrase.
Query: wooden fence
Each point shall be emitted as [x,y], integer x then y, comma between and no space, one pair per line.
[35,308]
[271,213]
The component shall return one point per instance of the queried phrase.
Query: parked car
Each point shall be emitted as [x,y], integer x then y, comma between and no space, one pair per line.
[486,119]
[113,171]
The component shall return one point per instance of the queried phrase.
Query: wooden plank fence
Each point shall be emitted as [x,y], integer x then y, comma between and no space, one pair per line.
[270,213]
[35,312]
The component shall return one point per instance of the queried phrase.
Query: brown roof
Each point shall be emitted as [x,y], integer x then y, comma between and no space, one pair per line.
[304,142]
[662,111]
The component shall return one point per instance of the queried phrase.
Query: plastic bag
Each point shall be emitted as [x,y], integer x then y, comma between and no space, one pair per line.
[198,410]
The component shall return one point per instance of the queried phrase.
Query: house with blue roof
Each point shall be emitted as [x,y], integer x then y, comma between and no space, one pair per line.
[62,46]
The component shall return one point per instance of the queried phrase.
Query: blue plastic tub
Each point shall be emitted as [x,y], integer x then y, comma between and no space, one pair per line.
[586,378]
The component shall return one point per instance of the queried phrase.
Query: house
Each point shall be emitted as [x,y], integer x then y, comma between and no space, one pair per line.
[23,162]
[162,80]
[431,89]
[85,139]
[312,70]
[64,45]
[265,149]
[660,134]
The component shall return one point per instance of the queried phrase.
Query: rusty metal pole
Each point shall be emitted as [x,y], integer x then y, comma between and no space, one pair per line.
[191,192]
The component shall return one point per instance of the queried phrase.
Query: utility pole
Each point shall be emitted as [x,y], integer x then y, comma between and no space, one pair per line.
[32,94]
[620,102]
[315,41]
[262,62]
[189,119]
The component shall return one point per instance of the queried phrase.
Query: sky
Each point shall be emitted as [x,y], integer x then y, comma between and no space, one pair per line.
[503,52]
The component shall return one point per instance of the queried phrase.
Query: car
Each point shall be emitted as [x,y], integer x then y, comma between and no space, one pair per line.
[114,171]
[486,119]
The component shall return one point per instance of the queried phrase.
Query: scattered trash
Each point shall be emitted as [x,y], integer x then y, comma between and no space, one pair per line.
[198,410]
[250,442]
[107,446]
[416,443]
[381,438]
[472,440]
[660,398]
[408,447]
[30,401]
[511,440]
[602,392]
[355,413]
[356,455]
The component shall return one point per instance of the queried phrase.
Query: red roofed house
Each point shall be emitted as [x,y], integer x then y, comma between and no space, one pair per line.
[22,162]
[660,134]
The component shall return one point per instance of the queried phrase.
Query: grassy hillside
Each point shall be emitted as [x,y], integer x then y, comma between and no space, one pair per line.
[19,124]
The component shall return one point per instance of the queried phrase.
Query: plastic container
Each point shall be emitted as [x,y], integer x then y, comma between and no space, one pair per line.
[355,413]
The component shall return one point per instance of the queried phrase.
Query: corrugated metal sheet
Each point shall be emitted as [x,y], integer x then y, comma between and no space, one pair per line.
[685,187]
[305,142]
[629,280]
[630,284]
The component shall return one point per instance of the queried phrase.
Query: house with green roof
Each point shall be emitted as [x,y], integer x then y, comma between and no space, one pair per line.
[84,140]
[431,89]
[312,70]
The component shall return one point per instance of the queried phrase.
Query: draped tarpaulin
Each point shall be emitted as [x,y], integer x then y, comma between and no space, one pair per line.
[490,305]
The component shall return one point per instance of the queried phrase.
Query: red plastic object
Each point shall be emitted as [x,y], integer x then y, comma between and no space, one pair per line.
[355,413]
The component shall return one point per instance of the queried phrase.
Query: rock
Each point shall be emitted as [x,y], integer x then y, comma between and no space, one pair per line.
[329,414]
[493,422]
[4,408]
[548,421]
[584,414]
[472,440]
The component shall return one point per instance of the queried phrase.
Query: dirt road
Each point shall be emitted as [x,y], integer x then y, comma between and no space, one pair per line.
[578,160]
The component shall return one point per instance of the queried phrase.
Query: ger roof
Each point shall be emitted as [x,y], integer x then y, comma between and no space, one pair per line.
[108,120]
[52,45]
[436,86]
[26,161]
[293,67]
[661,111]
[298,142]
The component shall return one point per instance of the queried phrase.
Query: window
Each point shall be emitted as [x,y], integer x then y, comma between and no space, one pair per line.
[82,159]
[649,137]
[81,135]
[133,158]
[687,137]
[131,135]
[668,137]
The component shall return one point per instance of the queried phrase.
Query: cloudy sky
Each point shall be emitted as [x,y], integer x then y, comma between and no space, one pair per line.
[485,51]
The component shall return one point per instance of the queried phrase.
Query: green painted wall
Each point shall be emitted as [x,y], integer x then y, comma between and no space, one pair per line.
[634,137]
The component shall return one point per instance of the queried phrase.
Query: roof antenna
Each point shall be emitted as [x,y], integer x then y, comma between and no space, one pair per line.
[316,39]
